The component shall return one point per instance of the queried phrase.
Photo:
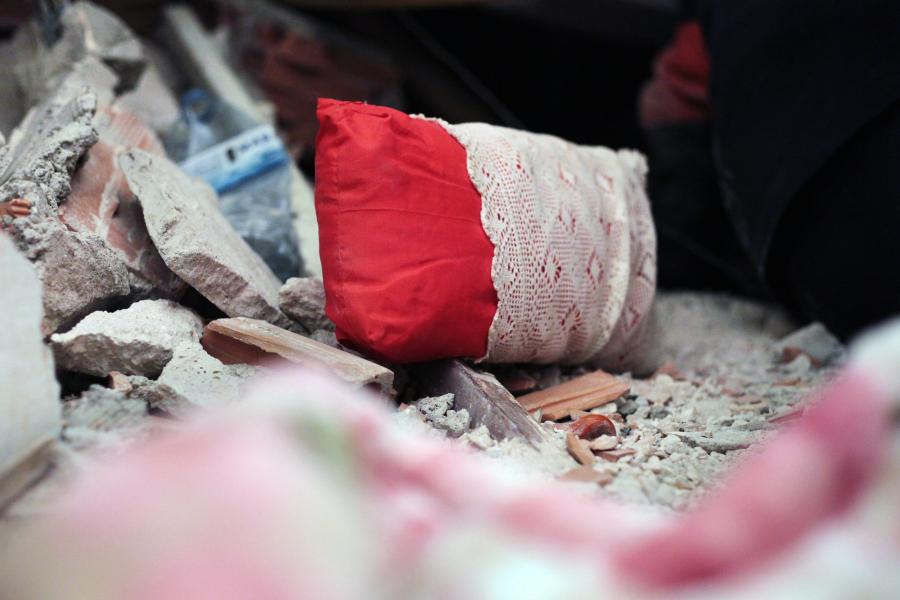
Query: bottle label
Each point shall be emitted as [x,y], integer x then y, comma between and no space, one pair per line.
[237,159]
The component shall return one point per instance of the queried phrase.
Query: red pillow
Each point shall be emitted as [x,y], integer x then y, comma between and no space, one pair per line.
[406,262]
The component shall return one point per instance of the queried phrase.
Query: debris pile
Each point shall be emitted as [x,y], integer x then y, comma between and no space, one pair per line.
[138,266]
[133,306]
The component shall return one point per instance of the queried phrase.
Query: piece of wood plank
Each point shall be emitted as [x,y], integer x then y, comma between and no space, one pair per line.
[253,342]
[205,64]
[582,393]
[488,403]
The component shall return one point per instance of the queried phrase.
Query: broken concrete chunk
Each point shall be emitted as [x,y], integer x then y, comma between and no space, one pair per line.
[198,243]
[87,32]
[79,273]
[199,380]
[815,341]
[138,340]
[250,341]
[435,407]
[105,419]
[720,441]
[101,202]
[439,412]
[155,395]
[481,395]
[38,162]
[303,300]
[583,393]
[30,416]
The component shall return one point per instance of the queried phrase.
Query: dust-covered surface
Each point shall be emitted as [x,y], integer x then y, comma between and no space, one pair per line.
[679,431]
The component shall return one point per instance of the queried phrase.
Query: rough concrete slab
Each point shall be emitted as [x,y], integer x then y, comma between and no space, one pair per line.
[79,273]
[139,340]
[303,300]
[29,404]
[203,381]
[101,202]
[197,242]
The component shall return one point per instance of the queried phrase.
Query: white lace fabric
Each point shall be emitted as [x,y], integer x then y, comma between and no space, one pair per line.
[574,261]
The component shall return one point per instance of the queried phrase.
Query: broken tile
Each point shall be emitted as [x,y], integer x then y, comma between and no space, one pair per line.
[590,427]
[615,455]
[671,369]
[138,340]
[101,202]
[603,443]
[119,382]
[30,416]
[789,353]
[250,341]
[586,474]
[579,449]
[582,393]
[197,242]
[303,300]
[515,379]
[487,402]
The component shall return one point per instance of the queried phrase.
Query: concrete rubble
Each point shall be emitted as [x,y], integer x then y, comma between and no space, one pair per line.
[79,273]
[101,203]
[88,34]
[42,152]
[138,340]
[303,300]
[30,411]
[200,381]
[118,236]
[482,397]
[104,419]
[677,436]
[439,412]
[197,243]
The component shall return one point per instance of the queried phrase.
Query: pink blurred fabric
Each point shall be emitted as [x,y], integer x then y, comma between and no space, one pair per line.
[309,490]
